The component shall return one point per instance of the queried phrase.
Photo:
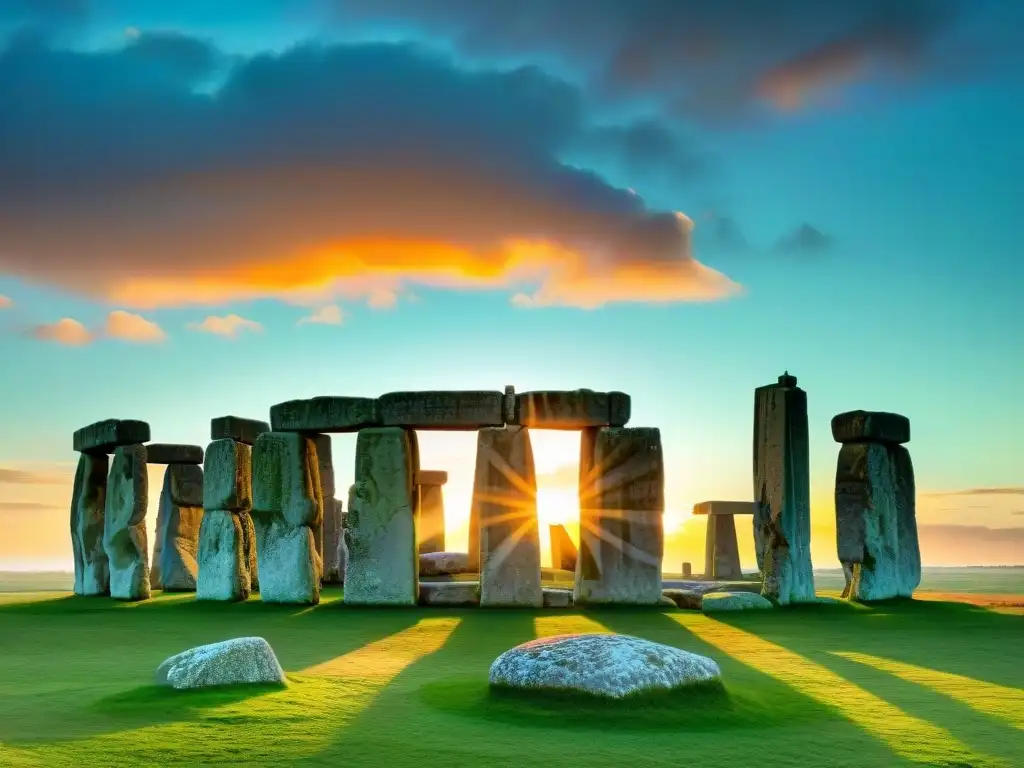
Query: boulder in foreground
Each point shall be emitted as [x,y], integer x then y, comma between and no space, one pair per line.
[734,601]
[240,660]
[603,665]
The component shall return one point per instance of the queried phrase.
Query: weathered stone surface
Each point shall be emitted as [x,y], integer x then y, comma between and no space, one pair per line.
[510,405]
[287,510]
[104,436]
[870,427]
[249,548]
[684,598]
[229,662]
[330,414]
[608,666]
[124,524]
[380,529]
[725,508]
[333,534]
[176,550]
[571,409]
[704,587]
[867,530]
[431,477]
[223,570]
[782,521]
[721,549]
[173,453]
[505,495]
[238,429]
[714,602]
[430,526]
[88,499]
[325,466]
[442,409]
[342,558]
[563,551]
[443,563]
[908,562]
[227,475]
[184,483]
[557,598]
[450,593]
[622,499]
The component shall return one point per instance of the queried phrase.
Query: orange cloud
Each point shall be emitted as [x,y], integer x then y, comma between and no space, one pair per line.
[67,331]
[5,302]
[229,326]
[128,327]
[328,315]
[791,85]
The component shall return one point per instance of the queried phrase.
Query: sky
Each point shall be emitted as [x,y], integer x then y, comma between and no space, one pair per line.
[211,206]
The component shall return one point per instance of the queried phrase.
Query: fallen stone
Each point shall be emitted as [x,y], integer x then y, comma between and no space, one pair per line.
[505,496]
[223,568]
[88,499]
[570,409]
[104,436]
[380,529]
[867,530]
[725,508]
[430,526]
[443,563]
[325,414]
[908,560]
[607,666]
[334,531]
[173,453]
[557,598]
[622,499]
[735,601]
[249,549]
[230,662]
[684,598]
[703,587]
[238,429]
[450,593]
[870,427]
[124,524]
[721,549]
[431,477]
[442,409]
[176,550]
[782,521]
[563,551]
[227,475]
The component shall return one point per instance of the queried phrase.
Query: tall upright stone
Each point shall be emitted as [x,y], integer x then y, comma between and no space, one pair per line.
[334,532]
[224,562]
[175,565]
[721,548]
[380,525]
[92,568]
[124,526]
[876,525]
[430,526]
[782,520]
[325,467]
[287,508]
[622,500]
[563,551]
[505,495]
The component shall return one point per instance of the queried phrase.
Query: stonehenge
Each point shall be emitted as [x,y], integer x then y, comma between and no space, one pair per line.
[721,548]
[782,492]
[876,520]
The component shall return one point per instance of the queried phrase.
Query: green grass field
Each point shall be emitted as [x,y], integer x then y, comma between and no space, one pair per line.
[910,683]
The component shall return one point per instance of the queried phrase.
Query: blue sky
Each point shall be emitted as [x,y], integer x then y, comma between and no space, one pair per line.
[853,174]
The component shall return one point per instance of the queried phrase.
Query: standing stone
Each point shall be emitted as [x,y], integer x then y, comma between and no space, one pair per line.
[223,570]
[334,532]
[430,526]
[342,548]
[287,508]
[92,570]
[325,466]
[909,560]
[687,570]
[505,493]
[380,526]
[622,500]
[176,551]
[782,520]
[721,549]
[124,525]
[563,551]
[249,548]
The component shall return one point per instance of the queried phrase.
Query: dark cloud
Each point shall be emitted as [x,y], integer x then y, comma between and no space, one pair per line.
[700,57]
[804,240]
[346,166]
[1013,490]
[23,477]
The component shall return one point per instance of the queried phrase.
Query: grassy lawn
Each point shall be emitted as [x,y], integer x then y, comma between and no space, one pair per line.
[912,683]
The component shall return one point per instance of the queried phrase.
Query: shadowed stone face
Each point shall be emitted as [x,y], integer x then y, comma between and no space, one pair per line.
[782,521]
[173,453]
[622,499]
[442,409]
[563,551]
[92,570]
[572,409]
[909,561]
[124,531]
[325,468]
[105,436]
[227,470]
[223,572]
[380,526]
[238,429]
[176,550]
[721,549]
[333,532]
[870,427]
[505,495]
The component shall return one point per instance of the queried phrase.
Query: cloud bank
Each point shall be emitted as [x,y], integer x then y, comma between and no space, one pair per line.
[229,326]
[119,324]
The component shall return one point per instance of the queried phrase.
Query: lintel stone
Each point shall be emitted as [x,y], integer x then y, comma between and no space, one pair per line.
[238,429]
[173,453]
[444,409]
[104,436]
[725,508]
[572,409]
[870,427]
[431,477]
[325,414]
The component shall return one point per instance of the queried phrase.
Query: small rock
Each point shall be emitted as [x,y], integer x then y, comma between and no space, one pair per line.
[454,593]
[734,601]
[443,563]
[229,662]
[684,598]
[605,665]
[557,598]
[667,602]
